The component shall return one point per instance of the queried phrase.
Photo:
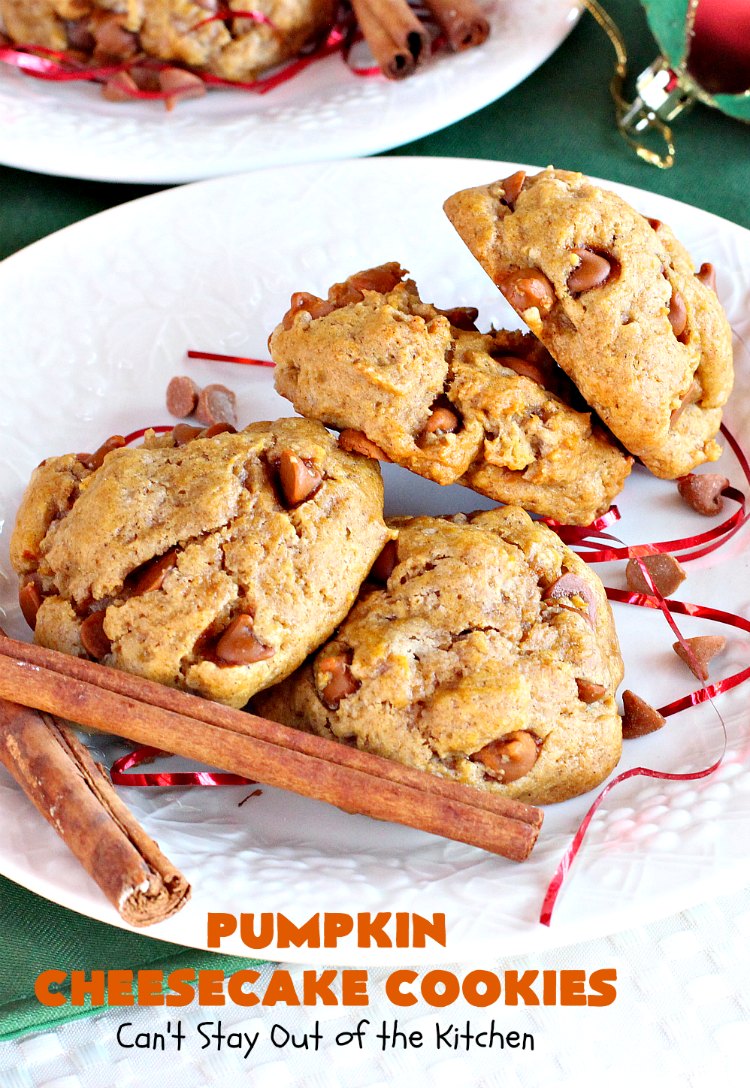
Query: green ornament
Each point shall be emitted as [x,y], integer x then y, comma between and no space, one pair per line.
[705,56]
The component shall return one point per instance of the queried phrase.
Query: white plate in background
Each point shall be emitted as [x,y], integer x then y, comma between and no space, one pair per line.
[326,112]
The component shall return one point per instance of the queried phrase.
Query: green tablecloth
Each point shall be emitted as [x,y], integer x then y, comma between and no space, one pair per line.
[563,115]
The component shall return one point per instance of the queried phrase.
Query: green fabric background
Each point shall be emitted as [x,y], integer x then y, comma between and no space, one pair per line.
[563,115]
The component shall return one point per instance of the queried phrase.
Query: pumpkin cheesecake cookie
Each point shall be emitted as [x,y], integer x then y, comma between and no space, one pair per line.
[484,652]
[615,299]
[207,561]
[412,384]
[179,31]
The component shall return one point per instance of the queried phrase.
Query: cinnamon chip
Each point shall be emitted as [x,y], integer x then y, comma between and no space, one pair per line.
[93,638]
[702,491]
[706,274]
[512,187]
[510,757]
[384,565]
[443,420]
[462,317]
[589,692]
[527,288]
[177,84]
[151,575]
[702,649]
[299,480]
[239,645]
[218,428]
[184,433]
[120,87]
[638,717]
[95,460]
[182,396]
[342,682]
[523,367]
[693,395]
[216,404]
[357,442]
[666,574]
[30,599]
[572,585]
[678,315]
[593,270]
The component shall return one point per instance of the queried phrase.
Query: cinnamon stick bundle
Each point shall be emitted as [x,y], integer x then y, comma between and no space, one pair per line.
[396,38]
[462,21]
[59,776]
[147,713]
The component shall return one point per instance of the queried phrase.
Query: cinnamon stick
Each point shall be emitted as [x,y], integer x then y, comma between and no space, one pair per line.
[462,21]
[396,38]
[112,701]
[59,776]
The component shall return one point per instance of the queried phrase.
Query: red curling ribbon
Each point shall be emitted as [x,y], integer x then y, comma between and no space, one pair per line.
[242,360]
[553,890]
[121,766]
[703,694]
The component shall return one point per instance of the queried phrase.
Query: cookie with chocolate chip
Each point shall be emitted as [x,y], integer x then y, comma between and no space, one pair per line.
[210,561]
[407,382]
[482,650]
[616,300]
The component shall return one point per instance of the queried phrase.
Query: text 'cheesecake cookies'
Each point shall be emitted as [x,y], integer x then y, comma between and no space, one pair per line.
[209,562]
[614,297]
[407,382]
[482,650]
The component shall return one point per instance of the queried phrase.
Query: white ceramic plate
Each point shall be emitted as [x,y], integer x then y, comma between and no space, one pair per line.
[326,112]
[96,319]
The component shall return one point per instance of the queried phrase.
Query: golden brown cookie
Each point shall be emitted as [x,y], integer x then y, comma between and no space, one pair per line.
[486,654]
[215,565]
[406,381]
[614,297]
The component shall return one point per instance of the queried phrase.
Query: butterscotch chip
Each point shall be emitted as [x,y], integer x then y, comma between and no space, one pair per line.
[638,717]
[403,382]
[458,666]
[702,491]
[666,574]
[633,338]
[702,649]
[196,571]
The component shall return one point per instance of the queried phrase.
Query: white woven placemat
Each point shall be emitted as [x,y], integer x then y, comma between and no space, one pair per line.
[681,1020]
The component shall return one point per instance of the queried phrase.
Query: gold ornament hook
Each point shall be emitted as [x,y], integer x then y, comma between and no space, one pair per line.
[660,94]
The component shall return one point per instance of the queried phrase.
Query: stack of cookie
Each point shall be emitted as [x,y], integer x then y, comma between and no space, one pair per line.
[478,647]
